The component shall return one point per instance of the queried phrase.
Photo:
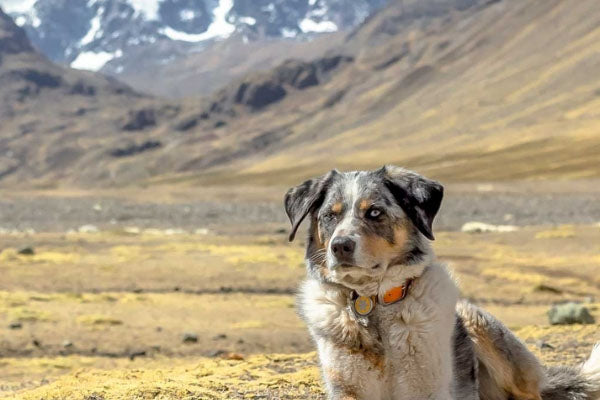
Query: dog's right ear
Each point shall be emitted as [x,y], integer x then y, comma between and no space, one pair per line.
[308,196]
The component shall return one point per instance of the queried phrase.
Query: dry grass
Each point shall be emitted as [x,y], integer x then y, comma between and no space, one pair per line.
[261,376]
[118,296]
[289,376]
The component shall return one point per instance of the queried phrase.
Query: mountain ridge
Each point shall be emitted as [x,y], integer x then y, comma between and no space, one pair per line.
[460,93]
[98,33]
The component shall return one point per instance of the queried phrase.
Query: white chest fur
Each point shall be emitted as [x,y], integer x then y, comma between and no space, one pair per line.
[410,341]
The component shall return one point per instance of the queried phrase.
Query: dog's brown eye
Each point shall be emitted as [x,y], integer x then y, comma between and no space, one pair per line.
[374,213]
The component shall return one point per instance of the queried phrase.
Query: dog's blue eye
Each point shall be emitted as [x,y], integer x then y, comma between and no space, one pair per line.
[329,216]
[374,213]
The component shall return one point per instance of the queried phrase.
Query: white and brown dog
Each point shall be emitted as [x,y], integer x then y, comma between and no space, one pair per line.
[385,314]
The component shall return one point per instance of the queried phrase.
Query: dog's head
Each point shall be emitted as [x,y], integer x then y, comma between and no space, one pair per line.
[363,222]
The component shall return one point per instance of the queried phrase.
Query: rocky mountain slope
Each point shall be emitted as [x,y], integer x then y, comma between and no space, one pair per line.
[66,127]
[89,34]
[57,122]
[458,89]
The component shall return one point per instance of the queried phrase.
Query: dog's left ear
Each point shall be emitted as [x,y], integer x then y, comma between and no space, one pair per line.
[420,198]
[304,198]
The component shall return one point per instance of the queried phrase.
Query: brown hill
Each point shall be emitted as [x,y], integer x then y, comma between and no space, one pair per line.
[65,126]
[458,89]
[470,91]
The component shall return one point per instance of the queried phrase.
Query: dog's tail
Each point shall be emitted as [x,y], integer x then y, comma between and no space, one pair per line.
[568,383]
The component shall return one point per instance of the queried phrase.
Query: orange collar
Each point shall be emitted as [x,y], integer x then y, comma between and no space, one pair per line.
[363,305]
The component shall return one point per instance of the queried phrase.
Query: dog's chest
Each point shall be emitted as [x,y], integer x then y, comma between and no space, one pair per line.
[404,329]
[415,343]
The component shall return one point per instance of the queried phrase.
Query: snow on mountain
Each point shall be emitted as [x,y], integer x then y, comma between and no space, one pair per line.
[87,34]
[219,27]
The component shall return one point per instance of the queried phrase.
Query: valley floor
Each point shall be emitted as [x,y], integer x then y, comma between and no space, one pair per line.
[124,297]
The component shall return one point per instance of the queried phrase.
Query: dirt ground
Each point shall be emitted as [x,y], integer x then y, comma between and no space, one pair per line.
[161,309]
[235,209]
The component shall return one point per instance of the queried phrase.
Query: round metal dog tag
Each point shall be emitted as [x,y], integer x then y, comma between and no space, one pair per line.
[363,305]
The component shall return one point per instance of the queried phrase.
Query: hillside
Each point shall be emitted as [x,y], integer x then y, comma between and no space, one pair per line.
[201,73]
[60,125]
[490,92]
[462,90]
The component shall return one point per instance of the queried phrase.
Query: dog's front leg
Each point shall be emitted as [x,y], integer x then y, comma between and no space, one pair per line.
[352,374]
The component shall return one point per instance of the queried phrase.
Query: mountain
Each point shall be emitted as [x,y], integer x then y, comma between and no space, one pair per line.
[89,34]
[61,126]
[461,90]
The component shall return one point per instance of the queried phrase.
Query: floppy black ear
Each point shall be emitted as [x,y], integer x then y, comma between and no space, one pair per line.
[308,196]
[419,197]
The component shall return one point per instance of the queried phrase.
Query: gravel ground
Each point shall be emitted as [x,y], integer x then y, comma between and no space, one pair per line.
[58,214]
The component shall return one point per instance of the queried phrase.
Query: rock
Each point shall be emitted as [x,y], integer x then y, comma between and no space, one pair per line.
[220,336]
[26,251]
[481,227]
[260,94]
[97,207]
[132,230]
[134,149]
[201,231]
[217,353]
[547,288]
[570,313]
[67,344]
[140,119]
[187,124]
[233,356]
[543,345]
[190,337]
[135,354]
[88,229]
[15,325]
[36,343]
[263,89]
[171,232]
[81,88]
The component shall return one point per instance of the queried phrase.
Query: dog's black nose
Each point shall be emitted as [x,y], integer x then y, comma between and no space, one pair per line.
[343,248]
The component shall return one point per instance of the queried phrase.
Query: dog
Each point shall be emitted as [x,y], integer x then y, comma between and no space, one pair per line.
[386,316]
